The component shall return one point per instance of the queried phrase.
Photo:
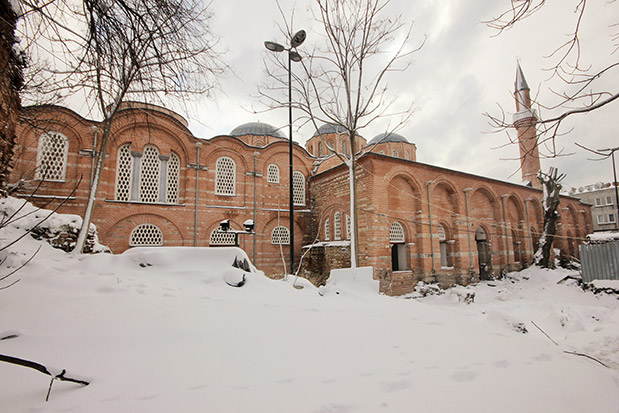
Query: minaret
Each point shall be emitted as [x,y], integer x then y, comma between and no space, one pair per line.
[525,120]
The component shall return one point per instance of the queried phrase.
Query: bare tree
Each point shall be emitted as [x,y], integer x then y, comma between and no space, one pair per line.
[587,87]
[551,183]
[343,81]
[118,50]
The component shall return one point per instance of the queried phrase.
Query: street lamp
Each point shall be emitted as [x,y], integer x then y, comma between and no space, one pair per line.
[293,56]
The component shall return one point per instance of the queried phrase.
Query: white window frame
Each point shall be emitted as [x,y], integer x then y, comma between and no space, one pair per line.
[146,227]
[280,235]
[609,200]
[396,233]
[348,225]
[273,174]
[221,188]
[219,238]
[337,226]
[598,202]
[298,188]
[43,152]
[611,218]
[150,179]
[601,219]
[327,230]
[172,185]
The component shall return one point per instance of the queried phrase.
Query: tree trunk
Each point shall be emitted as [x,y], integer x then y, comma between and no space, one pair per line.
[552,188]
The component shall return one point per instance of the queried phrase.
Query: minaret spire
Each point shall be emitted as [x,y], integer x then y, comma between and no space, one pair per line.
[525,120]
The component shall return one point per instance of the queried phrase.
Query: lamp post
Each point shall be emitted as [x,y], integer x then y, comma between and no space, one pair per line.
[293,56]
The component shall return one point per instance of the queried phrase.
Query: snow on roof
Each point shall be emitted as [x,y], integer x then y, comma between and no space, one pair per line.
[602,237]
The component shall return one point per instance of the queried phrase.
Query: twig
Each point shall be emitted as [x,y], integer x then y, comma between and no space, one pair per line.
[543,332]
[575,353]
[41,368]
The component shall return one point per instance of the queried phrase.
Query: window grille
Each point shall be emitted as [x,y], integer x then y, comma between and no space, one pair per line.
[396,233]
[298,188]
[52,156]
[395,153]
[124,171]
[174,166]
[222,238]
[273,174]
[327,230]
[146,234]
[150,167]
[280,235]
[225,176]
[347,226]
[441,234]
[337,227]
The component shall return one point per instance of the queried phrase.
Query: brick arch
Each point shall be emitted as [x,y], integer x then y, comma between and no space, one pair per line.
[514,211]
[400,184]
[484,204]
[444,197]
[119,231]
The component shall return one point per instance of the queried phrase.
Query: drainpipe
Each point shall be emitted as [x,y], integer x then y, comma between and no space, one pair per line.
[526,215]
[255,202]
[430,219]
[503,197]
[195,217]
[468,225]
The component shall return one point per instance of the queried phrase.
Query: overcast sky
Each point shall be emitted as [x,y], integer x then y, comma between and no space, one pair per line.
[461,73]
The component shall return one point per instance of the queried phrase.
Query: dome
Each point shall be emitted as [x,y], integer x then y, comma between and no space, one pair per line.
[387,137]
[329,128]
[257,129]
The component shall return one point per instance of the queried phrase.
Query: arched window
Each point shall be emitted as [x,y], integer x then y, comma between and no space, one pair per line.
[337,226]
[273,174]
[173,174]
[145,235]
[225,176]
[382,152]
[219,238]
[298,188]
[445,248]
[395,153]
[408,155]
[319,148]
[396,233]
[347,226]
[280,235]
[149,174]
[398,248]
[52,157]
[327,230]
[344,148]
[124,172]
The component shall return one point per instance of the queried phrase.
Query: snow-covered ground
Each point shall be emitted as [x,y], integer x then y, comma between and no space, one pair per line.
[161,330]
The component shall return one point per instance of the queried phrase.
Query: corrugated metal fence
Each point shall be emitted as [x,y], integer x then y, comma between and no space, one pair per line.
[600,261]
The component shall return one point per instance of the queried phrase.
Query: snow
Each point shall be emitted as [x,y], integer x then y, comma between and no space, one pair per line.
[601,237]
[160,330]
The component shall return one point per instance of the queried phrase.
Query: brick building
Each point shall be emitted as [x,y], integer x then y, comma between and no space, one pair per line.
[163,186]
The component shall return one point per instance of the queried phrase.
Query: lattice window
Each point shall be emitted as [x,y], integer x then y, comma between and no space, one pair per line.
[441,234]
[174,166]
[52,156]
[273,174]
[348,225]
[222,238]
[280,235]
[344,148]
[408,155]
[395,153]
[298,188]
[225,176]
[337,226]
[124,172]
[146,234]
[396,233]
[150,167]
[327,230]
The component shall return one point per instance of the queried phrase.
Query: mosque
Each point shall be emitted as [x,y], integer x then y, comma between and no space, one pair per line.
[162,186]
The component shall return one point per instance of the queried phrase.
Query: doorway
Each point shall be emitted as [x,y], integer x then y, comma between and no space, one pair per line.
[483,253]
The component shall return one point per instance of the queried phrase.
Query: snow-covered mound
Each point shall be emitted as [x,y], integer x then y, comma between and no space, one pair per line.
[160,330]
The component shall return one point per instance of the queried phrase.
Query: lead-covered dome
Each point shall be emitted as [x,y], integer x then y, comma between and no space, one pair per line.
[328,128]
[257,129]
[388,137]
